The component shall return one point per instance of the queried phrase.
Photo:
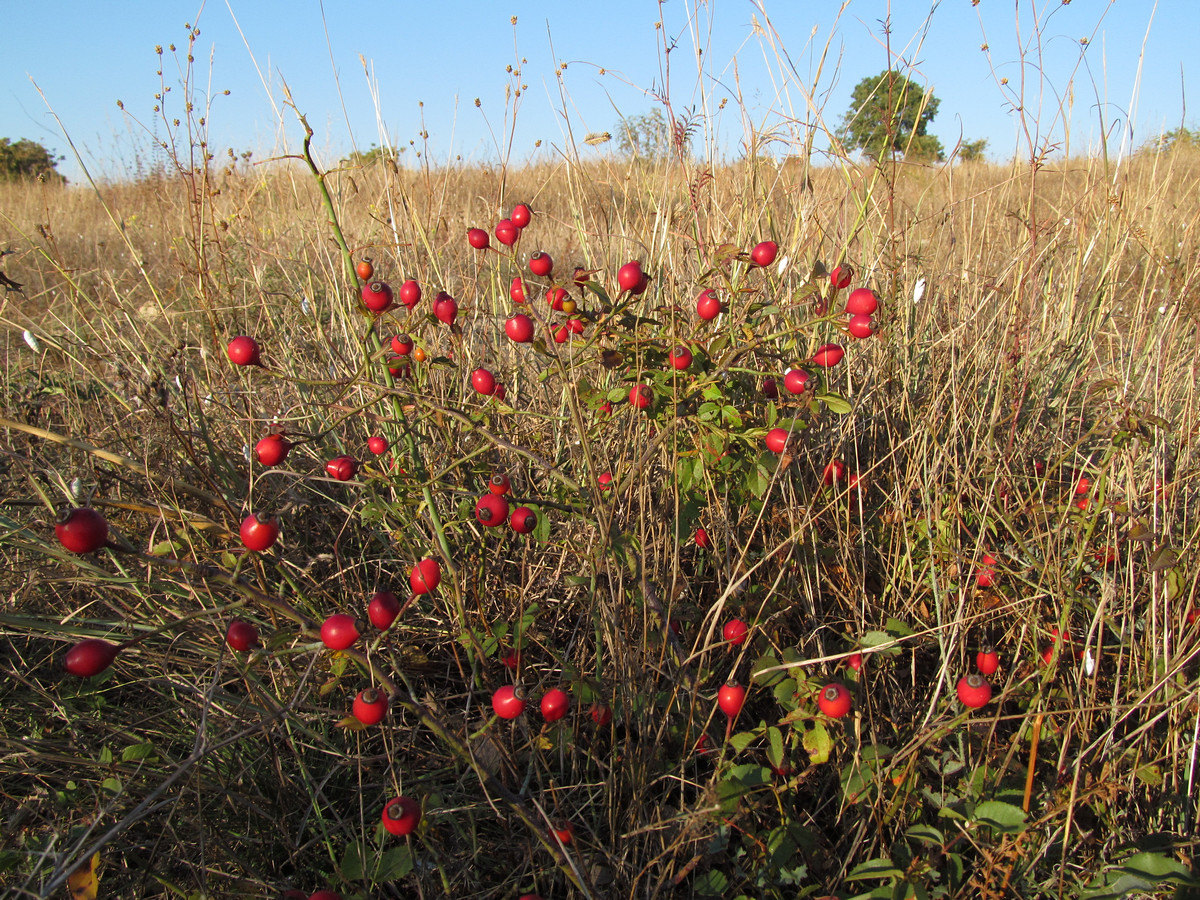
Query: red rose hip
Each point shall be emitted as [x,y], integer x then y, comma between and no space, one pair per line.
[426,576]
[519,328]
[243,351]
[708,306]
[796,381]
[507,233]
[484,382]
[410,293]
[491,510]
[730,698]
[89,657]
[401,816]
[521,215]
[377,296]
[828,355]
[272,449]
[861,326]
[339,631]
[508,701]
[630,276]
[764,253]
[241,635]
[735,632]
[862,302]
[523,520]
[555,704]
[777,439]
[974,691]
[259,532]
[541,264]
[81,530]
[680,356]
[370,706]
[987,661]
[641,396]
[841,276]
[834,700]
[382,609]
[343,468]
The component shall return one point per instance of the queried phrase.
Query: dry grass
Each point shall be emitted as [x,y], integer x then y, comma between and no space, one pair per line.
[1058,323]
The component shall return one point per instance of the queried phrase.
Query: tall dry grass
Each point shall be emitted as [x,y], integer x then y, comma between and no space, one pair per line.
[1055,322]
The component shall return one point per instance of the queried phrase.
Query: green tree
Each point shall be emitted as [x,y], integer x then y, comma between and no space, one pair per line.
[650,135]
[375,154]
[890,114]
[28,159]
[1174,139]
[972,151]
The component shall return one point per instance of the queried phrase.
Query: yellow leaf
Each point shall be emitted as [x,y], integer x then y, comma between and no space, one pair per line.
[83,883]
[351,724]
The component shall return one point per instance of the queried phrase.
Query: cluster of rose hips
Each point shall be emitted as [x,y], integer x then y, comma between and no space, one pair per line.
[861,305]
[834,700]
[520,326]
[492,508]
[84,530]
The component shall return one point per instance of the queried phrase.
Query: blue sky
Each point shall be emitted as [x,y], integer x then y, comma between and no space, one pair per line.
[426,63]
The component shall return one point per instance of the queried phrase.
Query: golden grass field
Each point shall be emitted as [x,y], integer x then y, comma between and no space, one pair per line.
[1037,326]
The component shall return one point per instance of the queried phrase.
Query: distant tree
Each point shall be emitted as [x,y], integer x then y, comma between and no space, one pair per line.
[651,136]
[375,154]
[1176,138]
[28,159]
[972,151]
[890,114]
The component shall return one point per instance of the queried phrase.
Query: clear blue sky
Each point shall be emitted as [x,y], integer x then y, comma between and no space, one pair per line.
[85,56]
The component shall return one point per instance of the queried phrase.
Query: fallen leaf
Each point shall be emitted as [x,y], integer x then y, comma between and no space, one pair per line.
[83,883]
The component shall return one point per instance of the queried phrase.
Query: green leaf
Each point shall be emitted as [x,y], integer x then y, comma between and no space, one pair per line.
[785,692]
[394,864]
[882,867]
[597,289]
[352,862]
[835,403]
[136,752]
[766,662]
[926,834]
[758,479]
[1173,583]
[112,785]
[711,884]
[685,472]
[1150,775]
[742,740]
[875,639]
[775,746]
[741,780]
[1001,816]
[817,744]
[896,628]
[1141,872]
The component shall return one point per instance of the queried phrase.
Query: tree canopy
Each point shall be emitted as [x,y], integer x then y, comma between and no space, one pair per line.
[28,159]
[890,114]
[651,136]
